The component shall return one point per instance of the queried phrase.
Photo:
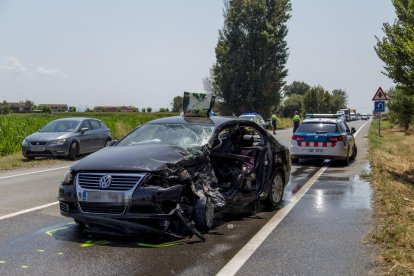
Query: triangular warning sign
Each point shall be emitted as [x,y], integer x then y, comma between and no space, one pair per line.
[380,95]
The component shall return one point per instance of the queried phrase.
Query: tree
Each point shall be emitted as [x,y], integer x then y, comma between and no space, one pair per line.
[296,87]
[290,105]
[144,109]
[400,105]
[177,104]
[396,51]
[149,109]
[4,108]
[339,100]
[397,47]
[251,55]
[28,105]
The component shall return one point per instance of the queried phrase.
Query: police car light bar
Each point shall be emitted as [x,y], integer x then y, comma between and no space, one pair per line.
[310,115]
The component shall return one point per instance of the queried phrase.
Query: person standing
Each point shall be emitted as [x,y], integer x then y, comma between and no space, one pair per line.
[274,121]
[296,121]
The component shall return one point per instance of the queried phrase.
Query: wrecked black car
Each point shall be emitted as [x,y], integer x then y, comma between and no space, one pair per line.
[172,175]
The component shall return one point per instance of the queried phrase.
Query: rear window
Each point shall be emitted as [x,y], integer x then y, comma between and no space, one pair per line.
[315,127]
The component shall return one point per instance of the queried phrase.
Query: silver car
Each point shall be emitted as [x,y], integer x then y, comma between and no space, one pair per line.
[323,138]
[67,137]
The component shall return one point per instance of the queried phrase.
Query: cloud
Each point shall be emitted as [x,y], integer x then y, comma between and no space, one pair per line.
[50,72]
[14,65]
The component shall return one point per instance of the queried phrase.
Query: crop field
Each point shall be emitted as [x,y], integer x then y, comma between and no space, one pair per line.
[15,127]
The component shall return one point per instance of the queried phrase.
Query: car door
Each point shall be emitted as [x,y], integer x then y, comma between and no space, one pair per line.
[98,139]
[85,137]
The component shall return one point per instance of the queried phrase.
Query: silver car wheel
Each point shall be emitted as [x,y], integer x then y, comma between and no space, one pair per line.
[277,188]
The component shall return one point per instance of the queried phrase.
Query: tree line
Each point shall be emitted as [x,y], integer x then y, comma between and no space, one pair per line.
[300,96]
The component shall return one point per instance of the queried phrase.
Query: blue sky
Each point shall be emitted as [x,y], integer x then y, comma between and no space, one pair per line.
[143,53]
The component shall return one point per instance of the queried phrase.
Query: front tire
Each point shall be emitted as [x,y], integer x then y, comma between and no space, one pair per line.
[72,151]
[276,190]
[203,214]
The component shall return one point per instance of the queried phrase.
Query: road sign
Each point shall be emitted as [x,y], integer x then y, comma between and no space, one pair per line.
[379,106]
[380,95]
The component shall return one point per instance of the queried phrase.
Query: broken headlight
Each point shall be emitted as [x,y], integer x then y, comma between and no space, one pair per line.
[68,178]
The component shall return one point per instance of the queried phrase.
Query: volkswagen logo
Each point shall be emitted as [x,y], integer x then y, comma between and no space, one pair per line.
[105,181]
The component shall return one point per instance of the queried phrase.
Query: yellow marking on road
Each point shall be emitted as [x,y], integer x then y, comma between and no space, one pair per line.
[60,253]
[92,243]
[51,232]
[40,250]
[2,261]
[161,245]
[25,266]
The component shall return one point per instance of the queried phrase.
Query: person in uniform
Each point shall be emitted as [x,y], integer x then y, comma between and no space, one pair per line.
[296,121]
[274,121]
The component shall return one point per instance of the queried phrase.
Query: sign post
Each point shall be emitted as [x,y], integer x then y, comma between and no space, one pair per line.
[379,105]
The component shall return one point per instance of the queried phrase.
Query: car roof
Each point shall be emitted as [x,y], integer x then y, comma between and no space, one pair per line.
[322,120]
[213,120]
[79,119]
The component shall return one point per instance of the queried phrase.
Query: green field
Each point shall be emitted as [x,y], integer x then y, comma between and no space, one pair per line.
[15,127]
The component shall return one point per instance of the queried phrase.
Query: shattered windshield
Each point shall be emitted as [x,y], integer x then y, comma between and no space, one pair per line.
[182,135]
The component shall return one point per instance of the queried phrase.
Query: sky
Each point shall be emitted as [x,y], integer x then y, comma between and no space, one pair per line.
[144,53]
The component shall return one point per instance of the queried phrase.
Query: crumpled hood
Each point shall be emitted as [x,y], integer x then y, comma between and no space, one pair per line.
[146,157]
[47,136]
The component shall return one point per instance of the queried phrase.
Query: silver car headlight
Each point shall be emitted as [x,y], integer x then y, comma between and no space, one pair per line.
[57,142]
[68,178]
[25,143]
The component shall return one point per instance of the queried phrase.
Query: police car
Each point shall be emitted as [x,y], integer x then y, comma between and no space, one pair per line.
[253,116]
[323,136]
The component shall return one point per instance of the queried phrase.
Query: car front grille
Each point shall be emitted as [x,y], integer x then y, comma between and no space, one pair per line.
[99,208]
[38,143]
[120,182]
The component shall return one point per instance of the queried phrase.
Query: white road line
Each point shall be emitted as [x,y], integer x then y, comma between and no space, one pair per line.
[29,173]
[247,251]
[29,210]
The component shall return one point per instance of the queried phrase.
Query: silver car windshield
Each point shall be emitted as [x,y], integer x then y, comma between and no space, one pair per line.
[182,135]
[61,126]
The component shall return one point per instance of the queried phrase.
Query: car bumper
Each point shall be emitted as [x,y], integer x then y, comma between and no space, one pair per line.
[148,205]
[45,151]
[338,152]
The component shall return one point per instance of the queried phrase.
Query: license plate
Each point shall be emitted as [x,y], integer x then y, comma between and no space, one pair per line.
[316,151]
[37,148]
[102,196]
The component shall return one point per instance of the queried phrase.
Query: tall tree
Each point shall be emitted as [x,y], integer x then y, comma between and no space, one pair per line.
[290,105]
[296,87]
[396,50]
[251,55]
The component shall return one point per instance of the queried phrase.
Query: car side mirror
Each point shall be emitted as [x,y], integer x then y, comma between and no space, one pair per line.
[112,143]
[83,130]
[353,130]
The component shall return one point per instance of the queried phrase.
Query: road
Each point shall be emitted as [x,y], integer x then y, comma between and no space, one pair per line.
[319,230]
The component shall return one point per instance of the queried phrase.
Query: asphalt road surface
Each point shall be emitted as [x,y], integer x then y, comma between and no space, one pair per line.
[319,229]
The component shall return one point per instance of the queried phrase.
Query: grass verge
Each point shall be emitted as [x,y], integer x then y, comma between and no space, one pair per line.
[16,160]
[392,176]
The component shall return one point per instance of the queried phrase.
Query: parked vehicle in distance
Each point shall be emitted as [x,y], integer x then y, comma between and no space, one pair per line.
[364,116]
[323,138]
[171,175]
[253,116]
[67,137]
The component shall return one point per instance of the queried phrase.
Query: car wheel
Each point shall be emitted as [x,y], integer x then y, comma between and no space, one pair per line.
[203,214]
[107,142]
[354,153]
[276,190]
[30,158]
[345,162]
[72,151]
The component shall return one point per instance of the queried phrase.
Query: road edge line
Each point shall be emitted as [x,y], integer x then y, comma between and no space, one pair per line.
[29,173]
[28,210]
[238,260]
